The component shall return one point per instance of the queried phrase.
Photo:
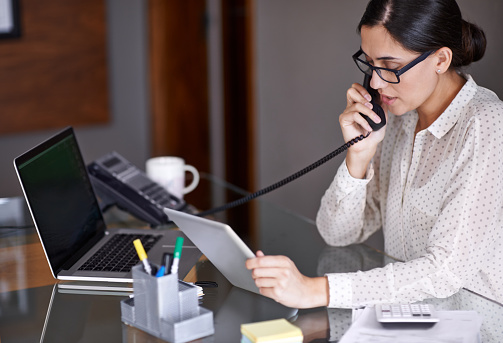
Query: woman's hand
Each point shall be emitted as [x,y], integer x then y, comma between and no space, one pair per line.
[353,125]
[278,278]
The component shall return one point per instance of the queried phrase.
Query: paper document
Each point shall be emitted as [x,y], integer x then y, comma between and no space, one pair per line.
[453,327]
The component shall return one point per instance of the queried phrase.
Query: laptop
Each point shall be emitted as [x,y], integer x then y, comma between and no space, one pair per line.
[69,222]
[220,244]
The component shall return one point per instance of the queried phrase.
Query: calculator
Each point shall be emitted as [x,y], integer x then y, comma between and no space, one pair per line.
[406,313]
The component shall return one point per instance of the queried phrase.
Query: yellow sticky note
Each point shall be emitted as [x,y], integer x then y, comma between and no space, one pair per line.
[272,330]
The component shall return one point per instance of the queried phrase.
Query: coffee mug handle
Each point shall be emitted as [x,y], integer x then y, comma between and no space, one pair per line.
[195,180]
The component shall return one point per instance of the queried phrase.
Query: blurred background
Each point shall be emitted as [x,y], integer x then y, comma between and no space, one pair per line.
[247,90]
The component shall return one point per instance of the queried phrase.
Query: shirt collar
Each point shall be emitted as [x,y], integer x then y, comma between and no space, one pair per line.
[455,109]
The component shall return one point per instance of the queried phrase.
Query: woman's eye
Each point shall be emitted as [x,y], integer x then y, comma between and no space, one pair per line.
[393,66]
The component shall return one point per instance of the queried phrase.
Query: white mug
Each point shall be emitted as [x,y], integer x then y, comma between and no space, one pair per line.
[169,172]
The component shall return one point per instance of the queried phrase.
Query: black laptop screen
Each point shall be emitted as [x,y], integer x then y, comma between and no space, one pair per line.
[60,196]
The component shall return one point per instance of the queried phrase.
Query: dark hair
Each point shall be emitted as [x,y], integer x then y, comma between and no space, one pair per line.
[428,25]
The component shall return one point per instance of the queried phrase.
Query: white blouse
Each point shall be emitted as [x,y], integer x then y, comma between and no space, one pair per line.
[439,199]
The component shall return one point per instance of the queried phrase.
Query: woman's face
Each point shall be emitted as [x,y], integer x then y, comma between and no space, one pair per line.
[416,84]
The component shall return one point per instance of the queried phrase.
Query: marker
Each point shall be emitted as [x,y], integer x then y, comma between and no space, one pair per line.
[177,254]
[142,255]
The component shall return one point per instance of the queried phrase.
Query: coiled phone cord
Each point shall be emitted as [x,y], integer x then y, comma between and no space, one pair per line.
[285,180]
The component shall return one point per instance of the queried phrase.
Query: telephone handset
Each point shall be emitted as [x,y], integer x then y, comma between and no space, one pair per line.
[375,105]
[118,182]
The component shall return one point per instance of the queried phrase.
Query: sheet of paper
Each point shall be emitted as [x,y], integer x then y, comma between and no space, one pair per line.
[454,327]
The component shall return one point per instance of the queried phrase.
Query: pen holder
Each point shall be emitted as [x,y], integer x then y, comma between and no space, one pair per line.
[166,308]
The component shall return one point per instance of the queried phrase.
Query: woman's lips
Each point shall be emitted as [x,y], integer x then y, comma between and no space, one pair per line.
[387,100]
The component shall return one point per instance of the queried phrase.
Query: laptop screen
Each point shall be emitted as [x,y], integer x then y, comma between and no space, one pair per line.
[57,187]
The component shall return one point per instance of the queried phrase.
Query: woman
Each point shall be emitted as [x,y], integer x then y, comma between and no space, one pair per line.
[431,178]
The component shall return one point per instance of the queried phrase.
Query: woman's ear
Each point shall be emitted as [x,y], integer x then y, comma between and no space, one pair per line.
[443,59]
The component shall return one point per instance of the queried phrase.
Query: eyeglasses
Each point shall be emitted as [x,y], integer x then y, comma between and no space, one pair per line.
[388,75]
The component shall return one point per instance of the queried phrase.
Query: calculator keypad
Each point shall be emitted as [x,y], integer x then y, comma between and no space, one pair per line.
[406,313]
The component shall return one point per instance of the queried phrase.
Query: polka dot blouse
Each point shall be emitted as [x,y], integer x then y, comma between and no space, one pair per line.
[438,197]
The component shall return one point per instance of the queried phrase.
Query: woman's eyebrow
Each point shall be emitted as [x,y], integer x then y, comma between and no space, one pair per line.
[384,58]
[387,58]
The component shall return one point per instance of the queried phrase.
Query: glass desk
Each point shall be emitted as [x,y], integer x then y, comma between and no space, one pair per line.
[33,308]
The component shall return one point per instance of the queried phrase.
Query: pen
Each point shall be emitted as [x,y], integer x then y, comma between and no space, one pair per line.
[177,254]
[167,260]
[142,255]
[161,271]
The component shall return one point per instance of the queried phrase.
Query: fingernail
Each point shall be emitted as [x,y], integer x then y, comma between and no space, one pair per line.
[369,105]
[368,97]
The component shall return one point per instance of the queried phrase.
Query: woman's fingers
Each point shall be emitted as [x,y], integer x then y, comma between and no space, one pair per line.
[278,278]
[357,93]
[358,102]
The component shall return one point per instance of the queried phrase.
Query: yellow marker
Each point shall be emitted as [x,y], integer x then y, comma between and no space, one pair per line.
[142,255]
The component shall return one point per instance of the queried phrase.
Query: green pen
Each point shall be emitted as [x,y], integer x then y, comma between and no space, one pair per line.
[177,254]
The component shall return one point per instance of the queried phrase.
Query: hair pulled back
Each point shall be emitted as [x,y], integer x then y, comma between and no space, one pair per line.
[428,25]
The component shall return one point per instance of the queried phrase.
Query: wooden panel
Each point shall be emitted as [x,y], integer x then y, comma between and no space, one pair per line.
[55,74]
[179,83]
[179,80]
[24,266]
[239,116]
[238,91]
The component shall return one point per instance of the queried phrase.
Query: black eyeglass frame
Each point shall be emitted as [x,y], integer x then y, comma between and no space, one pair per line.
[395,71]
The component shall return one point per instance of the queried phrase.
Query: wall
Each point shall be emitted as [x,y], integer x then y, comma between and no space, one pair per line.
[127,132]
[303,69]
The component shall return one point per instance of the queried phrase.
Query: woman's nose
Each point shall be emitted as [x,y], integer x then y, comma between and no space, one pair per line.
[376,82]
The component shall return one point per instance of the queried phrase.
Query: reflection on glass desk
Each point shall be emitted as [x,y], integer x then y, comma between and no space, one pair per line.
[35,308]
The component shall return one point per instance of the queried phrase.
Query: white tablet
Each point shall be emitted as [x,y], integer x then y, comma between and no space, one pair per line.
[220,244]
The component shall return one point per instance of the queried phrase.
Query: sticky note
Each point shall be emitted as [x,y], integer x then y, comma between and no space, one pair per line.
[271,331]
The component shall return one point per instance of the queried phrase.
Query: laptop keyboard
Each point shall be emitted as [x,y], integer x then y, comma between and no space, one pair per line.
[119,254]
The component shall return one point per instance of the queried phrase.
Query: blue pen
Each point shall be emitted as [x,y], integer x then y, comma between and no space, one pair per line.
[161,271]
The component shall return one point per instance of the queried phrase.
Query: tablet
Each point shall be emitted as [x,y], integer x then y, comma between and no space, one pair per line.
[221,245]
